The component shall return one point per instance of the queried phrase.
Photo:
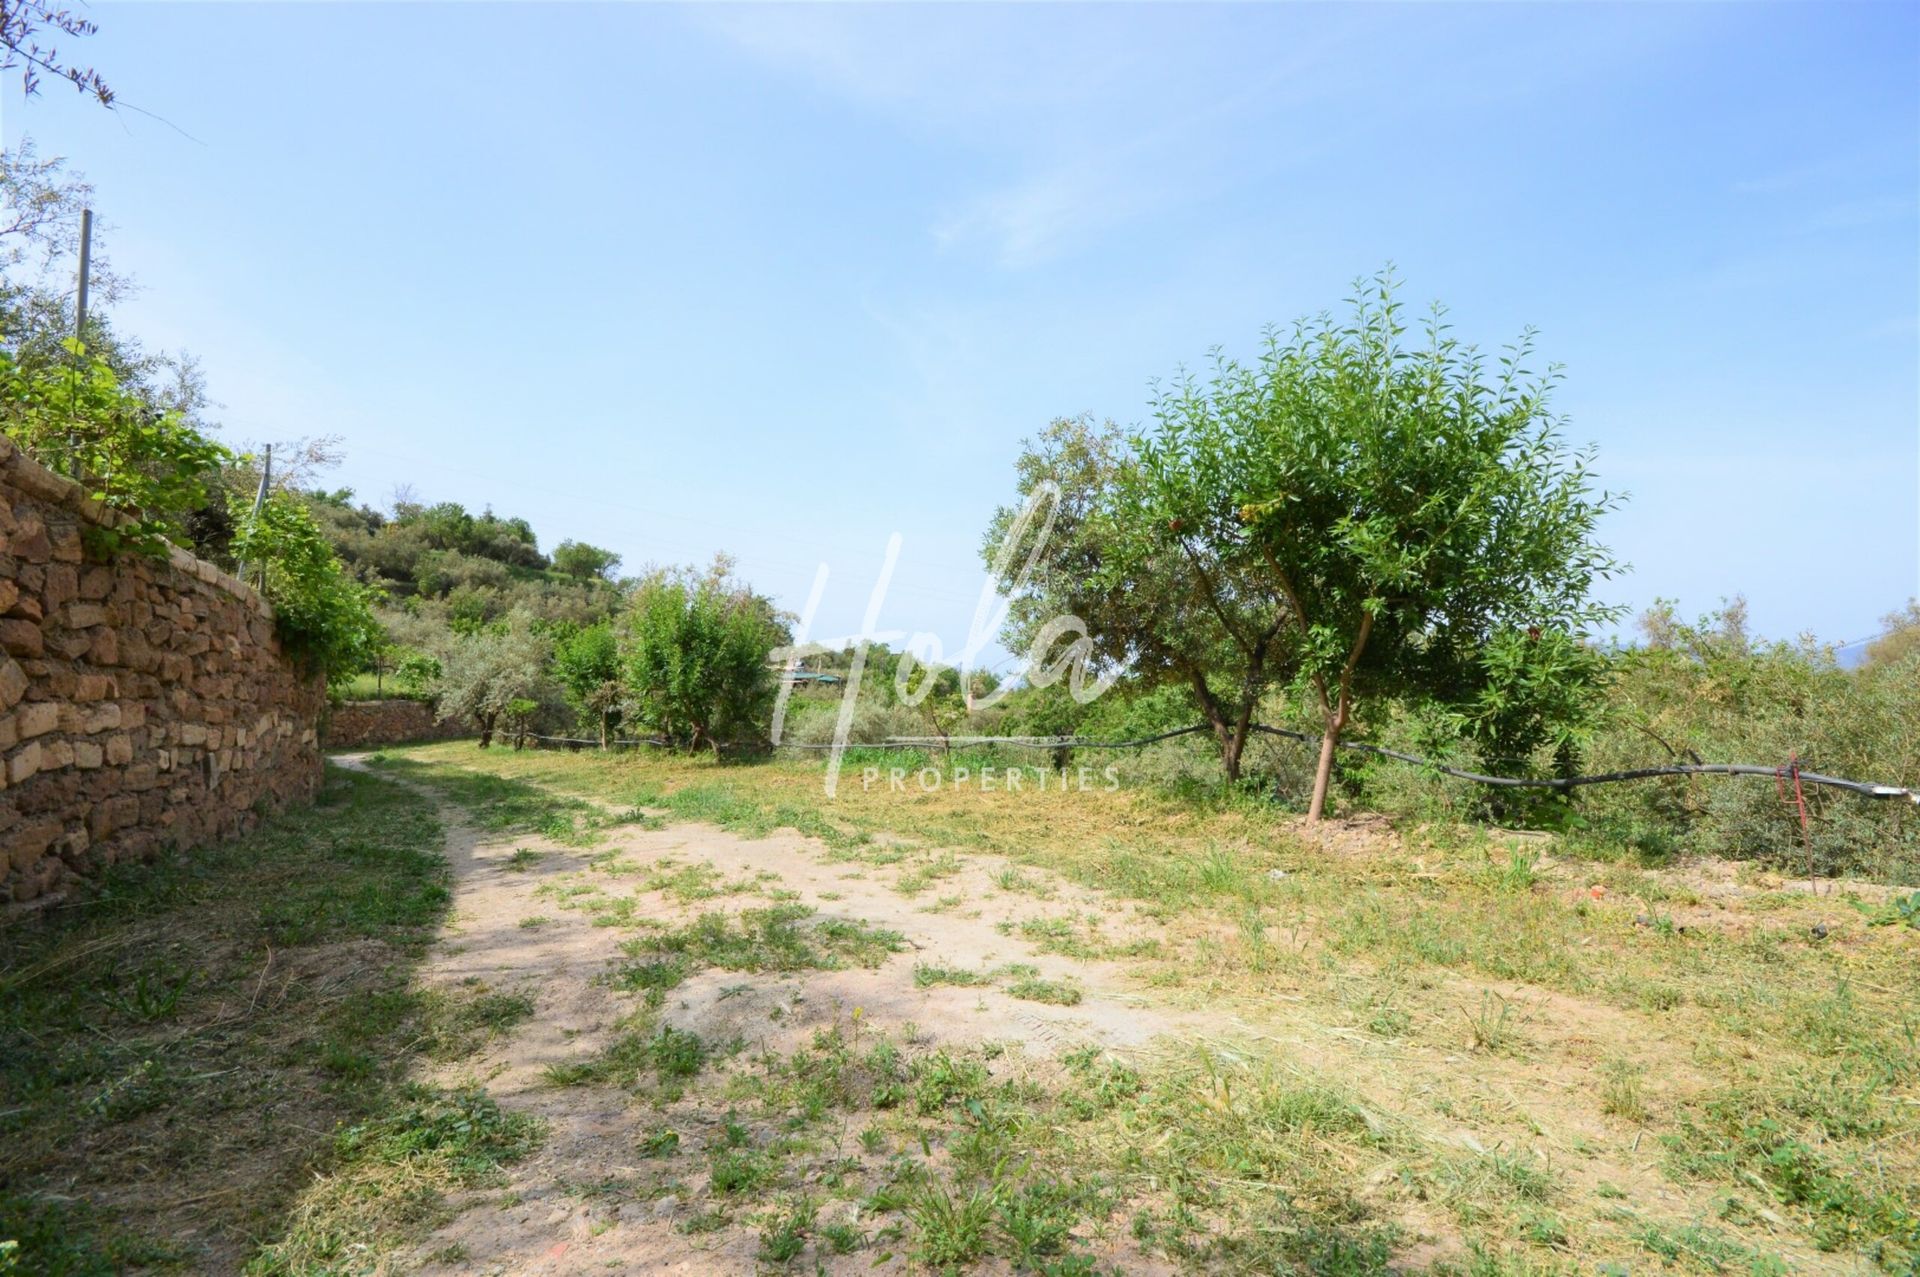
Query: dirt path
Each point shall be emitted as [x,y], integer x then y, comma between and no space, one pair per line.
[511,930]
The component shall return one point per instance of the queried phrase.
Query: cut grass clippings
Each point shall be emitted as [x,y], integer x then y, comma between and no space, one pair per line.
[176,1047]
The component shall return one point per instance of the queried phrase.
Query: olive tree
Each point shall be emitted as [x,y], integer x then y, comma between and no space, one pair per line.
[484,674]
[1417,510]
[1160,581]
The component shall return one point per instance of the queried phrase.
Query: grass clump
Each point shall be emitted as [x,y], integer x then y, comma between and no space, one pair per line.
[393,1172]
[458,1022]
[1033,988]
[785,1236]
[950,1228]
[927,975]
[778,938]
[671,1055]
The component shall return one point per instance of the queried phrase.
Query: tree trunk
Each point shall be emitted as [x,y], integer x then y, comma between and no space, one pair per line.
[1231,742]
[1235,745]
[1323,773]
[1337,714]
[603,729]
[486,730]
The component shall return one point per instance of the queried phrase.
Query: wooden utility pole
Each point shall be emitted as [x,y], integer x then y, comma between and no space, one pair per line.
[80,334]
[86,265]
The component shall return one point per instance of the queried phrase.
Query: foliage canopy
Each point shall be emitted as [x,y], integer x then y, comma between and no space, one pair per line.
[696,663]
[1429,531]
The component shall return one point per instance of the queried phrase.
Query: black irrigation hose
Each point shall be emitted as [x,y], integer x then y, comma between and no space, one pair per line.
[1865,789]
[657,742]
[1049,742]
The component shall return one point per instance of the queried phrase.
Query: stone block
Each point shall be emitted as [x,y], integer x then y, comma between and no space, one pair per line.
[29,843]
[63,584]
[68,645]
[13,682]
[19,637]
[37,719]
[29,543]
[105,646]
[67,547]
[23,762]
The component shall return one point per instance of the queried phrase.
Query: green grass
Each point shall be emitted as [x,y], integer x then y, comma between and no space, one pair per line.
[783,937]
[180,1043]
[393,1172]
[499,804]
[670,1055]
[1454,984]
[1032,988]
[927,975]
[365,687]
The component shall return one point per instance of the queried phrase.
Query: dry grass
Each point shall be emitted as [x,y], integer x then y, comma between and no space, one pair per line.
[184,1052]
[1542,1063]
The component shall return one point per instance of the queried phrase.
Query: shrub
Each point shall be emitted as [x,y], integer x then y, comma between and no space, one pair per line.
[1707,691]
[696,657]
[324,616]
[149,465]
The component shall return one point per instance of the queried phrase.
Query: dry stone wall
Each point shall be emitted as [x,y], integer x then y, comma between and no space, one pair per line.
[145,705]
[363,724]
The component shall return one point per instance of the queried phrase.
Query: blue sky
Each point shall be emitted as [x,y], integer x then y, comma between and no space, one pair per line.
[785,281]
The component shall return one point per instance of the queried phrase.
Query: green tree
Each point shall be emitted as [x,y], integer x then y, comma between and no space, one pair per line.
[696,656]
[585,562]
[483,675]
[43,203]
[587,664]
[1158,576]
[323,615]
[1419,514]
[937,693]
